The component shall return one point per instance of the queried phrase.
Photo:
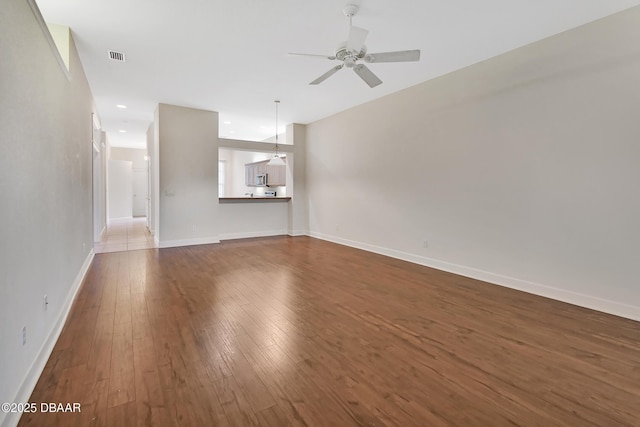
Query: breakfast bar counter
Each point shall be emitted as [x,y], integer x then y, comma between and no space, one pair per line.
[253,199]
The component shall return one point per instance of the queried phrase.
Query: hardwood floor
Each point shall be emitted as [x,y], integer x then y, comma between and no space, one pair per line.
[297,331]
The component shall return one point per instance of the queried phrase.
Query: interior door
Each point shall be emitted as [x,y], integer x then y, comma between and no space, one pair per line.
[140,192]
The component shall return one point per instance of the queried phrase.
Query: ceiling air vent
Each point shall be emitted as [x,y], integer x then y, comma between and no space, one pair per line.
[116,56]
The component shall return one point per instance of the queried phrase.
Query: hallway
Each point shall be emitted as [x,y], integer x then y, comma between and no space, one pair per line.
[125,235]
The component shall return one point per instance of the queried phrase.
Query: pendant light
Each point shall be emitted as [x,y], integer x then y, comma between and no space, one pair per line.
[276,160]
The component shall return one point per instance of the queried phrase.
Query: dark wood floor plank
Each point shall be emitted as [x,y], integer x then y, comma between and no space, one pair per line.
[298,331]
[235,403]
[205,404]
[148,389]
[272,417]
[94,404]
[121,377]
[122,415]
[256,392]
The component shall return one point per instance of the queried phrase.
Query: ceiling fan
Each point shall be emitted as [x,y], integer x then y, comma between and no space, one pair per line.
[354,50]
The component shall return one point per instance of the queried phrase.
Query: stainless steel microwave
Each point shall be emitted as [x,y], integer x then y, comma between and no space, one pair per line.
[261,180]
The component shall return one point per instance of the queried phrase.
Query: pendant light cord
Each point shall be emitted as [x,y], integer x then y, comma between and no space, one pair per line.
[277,102]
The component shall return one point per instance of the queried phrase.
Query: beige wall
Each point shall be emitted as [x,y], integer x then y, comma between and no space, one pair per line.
[45,180]
[298,219]
[133,155]
[187,142]
[154,194]
[521,170]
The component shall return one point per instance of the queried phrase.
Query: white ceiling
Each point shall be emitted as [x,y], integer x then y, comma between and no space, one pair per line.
[231,56]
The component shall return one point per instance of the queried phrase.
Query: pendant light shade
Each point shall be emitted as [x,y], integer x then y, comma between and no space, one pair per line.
[276,160]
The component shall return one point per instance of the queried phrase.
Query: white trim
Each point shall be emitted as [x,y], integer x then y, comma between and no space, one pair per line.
[37,367]
[295,233]
[575,298]
[251,234]
[104,229]
[96,121]
[47,35]
[188,242]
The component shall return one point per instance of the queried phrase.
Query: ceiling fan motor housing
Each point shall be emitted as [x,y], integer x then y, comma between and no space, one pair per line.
[350,10]
[346,55]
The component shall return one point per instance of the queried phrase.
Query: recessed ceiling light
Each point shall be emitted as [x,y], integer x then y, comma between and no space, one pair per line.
[121,106]
[227,122]
[123,131]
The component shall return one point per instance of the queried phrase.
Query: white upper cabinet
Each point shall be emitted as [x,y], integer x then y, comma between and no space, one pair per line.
[276,175]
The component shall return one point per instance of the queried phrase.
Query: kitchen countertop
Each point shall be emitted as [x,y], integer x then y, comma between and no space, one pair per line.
[254,199]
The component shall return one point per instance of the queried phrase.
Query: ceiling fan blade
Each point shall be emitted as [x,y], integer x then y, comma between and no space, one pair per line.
[326,75]
[356,39]
[399,56]
[365,74]
[314,55]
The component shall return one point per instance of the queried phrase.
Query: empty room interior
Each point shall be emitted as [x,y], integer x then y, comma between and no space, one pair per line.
[367,213]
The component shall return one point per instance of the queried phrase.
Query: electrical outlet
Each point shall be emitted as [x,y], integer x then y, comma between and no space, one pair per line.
[425,244]
[46,302]
[24,336]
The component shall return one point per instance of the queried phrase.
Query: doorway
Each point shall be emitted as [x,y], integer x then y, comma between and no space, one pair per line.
[99,181]
[140,192]
[127,193]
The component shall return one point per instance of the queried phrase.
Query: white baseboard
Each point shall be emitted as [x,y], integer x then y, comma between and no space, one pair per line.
[583,300]
[296,233]
[251,234]
[31,379]
[187,242]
